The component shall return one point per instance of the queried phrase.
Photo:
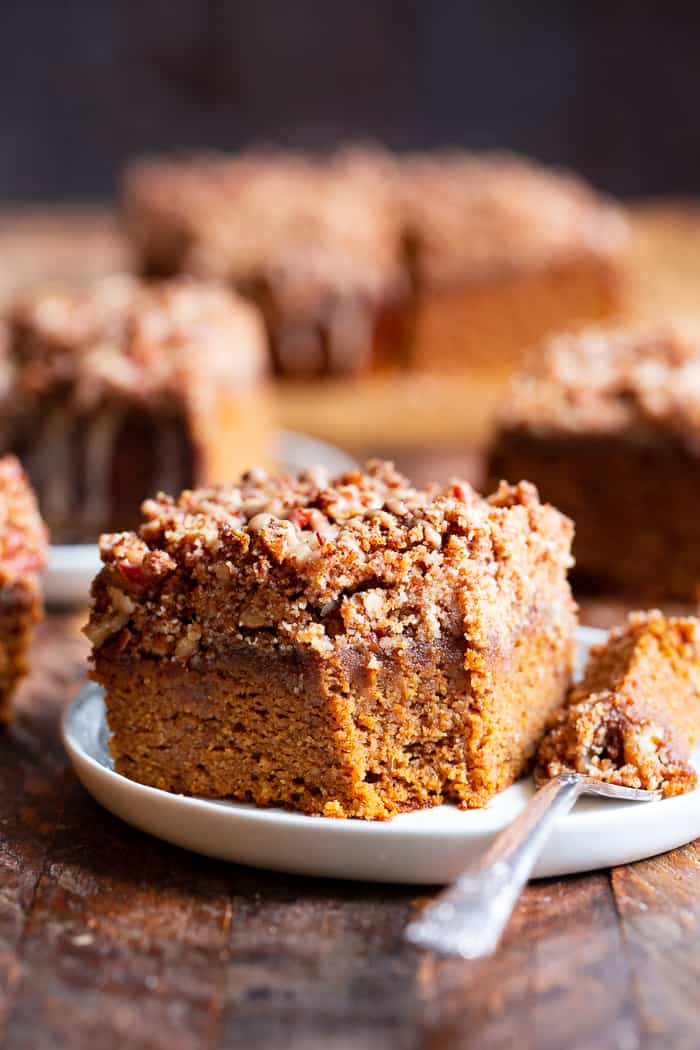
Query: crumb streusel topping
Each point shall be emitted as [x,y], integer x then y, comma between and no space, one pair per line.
[313,224]
[360,556]
[124,336]
[601,380]
[473,214]
[308,227]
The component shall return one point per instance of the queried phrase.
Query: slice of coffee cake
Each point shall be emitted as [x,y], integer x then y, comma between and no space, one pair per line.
[353,647]
[117,390]
[22,557]
[606,423]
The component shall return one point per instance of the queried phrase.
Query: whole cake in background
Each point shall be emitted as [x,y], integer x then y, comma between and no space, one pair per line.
[115,391]
[606,422]
[23,541]
[316,246]
[363,261]
[353,647]
[634,719]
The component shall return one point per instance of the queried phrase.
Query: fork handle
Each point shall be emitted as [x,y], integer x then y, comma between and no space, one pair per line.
[469,918]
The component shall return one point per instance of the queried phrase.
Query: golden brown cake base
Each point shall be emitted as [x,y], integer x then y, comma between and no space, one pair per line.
[237,430]
[276,732]
[22,557]
[632,498]
[499,318]
[634,720]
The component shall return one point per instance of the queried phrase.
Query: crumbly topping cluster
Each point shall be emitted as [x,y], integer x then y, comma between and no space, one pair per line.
[620,664]
[644,376]
[654,623]
[309,224]
[475,214]
[597,738]
[325,527]
[363,555]
[23,536]
[123,336]
[303,227]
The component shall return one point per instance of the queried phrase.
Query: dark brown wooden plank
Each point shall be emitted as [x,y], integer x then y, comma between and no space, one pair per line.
[106,936]
[559,978]
[33,782]
[126,941]
[582,988]
[659,906]
[320,964]
[484,1003]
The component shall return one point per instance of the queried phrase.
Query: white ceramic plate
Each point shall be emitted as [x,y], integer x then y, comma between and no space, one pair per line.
[72,567]
[431,846]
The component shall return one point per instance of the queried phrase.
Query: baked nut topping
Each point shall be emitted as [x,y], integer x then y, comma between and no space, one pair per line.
[603,380]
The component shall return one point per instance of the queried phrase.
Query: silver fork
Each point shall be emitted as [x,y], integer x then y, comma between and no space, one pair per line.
[468,918]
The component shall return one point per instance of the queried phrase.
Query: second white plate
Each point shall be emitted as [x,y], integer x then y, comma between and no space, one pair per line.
[430,846]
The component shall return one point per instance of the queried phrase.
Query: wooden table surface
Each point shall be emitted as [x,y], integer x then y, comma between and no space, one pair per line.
[112,939]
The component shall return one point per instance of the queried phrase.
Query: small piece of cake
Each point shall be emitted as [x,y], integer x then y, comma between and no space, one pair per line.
[606,423]
[505,252]
[112,392]
[634,719]
[315,244]
[22,556]
[354,647]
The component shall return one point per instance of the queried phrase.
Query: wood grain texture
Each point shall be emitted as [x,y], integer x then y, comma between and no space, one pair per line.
[559,978]
[109,938]
[658,902]
[33,784]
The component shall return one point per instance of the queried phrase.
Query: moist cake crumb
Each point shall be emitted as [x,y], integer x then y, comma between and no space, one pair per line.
[634,719]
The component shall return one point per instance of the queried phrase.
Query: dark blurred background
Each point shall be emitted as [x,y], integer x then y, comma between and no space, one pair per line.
[611,89]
